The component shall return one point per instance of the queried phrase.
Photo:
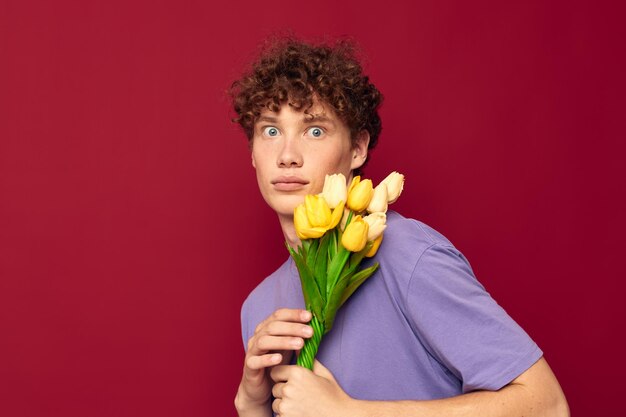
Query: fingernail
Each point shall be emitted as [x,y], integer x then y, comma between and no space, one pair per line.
[306,315]
[308,331]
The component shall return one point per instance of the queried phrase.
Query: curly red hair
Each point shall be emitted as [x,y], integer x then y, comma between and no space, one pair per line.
[298,73]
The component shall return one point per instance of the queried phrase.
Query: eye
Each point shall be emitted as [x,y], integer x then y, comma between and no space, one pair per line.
[270,131]
[316,132]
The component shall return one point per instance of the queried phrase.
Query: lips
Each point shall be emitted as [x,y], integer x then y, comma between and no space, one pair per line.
[288,183]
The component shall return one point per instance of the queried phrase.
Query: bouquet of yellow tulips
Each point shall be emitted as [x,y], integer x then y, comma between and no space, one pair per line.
[336,234]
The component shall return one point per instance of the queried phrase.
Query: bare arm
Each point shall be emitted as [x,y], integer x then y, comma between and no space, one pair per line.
[535,393]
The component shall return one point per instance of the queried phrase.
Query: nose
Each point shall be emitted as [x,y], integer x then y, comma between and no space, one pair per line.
[290,154]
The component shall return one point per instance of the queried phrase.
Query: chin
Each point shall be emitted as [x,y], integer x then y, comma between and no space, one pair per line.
[285,205]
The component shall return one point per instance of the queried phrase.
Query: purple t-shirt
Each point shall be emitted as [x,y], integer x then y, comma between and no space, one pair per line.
[422,327]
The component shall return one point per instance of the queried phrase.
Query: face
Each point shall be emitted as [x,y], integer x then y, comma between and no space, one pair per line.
[292,152]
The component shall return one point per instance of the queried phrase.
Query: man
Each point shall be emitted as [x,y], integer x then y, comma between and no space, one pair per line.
[421,337]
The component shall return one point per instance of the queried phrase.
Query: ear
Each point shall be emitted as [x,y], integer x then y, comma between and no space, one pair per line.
[253,161]
[359,149]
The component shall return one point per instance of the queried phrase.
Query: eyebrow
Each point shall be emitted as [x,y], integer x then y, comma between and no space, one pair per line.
[307,120]
[267,119]
[319,119]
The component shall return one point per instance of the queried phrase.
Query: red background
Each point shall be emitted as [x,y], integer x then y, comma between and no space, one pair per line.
[131,228]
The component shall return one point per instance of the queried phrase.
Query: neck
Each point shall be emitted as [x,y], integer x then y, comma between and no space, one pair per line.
[289,231]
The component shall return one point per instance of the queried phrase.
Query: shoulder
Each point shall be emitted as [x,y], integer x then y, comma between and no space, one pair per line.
[406,248]
[270,283]
[406,241]
[427,254]
[401,229]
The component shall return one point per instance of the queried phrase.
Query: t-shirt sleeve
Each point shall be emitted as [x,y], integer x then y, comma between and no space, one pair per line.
[461,326]
[244,326]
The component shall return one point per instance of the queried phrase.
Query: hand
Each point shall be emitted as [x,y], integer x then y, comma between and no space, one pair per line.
[273,343]
[302,393]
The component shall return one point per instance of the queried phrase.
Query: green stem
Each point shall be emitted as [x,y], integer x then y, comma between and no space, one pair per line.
[311,345]
[349,218]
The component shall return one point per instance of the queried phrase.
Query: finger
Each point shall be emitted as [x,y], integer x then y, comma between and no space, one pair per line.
[287,314]
[321,370]
[285,328]
[281,373]
[276,406]
[257,362]
[277,390]
[281,328]
[265,344]
[293,314]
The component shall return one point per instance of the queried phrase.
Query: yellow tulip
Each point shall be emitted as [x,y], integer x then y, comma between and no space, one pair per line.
[304,230]
[317,210]
[360,194]
[379,200]
[395,184]
[336,215]
[335,189]
[355,236]
[377,225]
[374,247]
[303,226]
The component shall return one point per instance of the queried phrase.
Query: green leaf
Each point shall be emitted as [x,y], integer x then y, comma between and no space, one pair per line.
[343,290]
[301,250]
[355,282]
[354,262]
[312,251]
[335,267]
[357,257]
[332,244]
[332,305]
[321,263]
[332,248]
[292,252]
[310,291]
